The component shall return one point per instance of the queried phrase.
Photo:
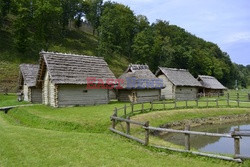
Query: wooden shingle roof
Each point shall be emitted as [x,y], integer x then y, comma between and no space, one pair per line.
[28,74]
[139,72]
[73,69]
[179,77]
[210,82]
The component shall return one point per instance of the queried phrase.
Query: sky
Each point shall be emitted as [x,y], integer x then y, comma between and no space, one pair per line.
[224,22]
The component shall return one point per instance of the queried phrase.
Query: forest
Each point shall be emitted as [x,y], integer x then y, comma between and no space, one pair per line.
[118,35]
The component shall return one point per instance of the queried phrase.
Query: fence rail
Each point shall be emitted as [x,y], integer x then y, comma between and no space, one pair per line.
[236,134]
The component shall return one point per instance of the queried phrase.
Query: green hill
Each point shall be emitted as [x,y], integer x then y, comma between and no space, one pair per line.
[75,41]
[120,37]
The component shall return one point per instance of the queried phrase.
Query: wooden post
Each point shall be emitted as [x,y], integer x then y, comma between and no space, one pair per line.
[228,99]
[146,133]
[238,100]
[164,105]
[151,105]
[142,107]
[125,109]
[187,138]
[113,120]
[186,103]
[236,143]
[217,103]
[132,107]
[207,102]
[128,126]
[175,104]
[197,103]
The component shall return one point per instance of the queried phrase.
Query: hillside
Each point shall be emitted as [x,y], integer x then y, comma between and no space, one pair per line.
[120,37]
[76,41]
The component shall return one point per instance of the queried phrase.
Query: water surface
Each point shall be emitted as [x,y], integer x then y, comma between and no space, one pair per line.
[214,144]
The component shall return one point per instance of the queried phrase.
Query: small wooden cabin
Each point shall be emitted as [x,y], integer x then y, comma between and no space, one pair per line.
[180,84]
[210,86]
[27,83]
[63,78]
[135,89]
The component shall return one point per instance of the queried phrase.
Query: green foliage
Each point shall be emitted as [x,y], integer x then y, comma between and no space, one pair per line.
[93,9]
[116,30]
[28,26]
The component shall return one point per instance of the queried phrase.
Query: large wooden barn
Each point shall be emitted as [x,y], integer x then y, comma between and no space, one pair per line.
[27,83]
[63,78]
[135,87]
[210,86]
[180,84]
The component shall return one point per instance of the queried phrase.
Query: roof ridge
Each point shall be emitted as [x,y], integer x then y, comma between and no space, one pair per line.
[69,54]
[174,69]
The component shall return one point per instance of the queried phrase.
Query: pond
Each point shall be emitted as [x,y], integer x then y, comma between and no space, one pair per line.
[214,144]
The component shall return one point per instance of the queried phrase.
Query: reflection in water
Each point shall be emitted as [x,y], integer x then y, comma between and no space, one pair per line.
[214,144]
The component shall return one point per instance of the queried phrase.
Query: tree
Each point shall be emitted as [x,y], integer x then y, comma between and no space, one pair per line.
[117,29]
[69,10]
[142,23]
[93,10]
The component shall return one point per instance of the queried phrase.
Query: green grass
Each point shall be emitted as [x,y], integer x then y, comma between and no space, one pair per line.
[10,100]
[36,146]
[79,136]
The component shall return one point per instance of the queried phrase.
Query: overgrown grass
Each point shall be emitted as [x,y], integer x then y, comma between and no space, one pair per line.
[10,100]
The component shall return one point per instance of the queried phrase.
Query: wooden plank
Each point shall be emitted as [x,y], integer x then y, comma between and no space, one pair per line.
[241,133]
[201,154]
[242,156]
[146,133]
[187,137]
[126,120]
[128,136]
[189,132]
[128,126]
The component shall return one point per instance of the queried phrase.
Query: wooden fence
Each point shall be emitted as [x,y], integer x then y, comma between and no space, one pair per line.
[126,114]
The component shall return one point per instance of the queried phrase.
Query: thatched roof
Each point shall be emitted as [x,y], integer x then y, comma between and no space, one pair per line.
[73,69]
[139,73]
[179,77]
[210,82]
[28,74]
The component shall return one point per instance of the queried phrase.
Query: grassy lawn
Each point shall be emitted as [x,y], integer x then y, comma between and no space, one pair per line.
[10,100]
[79,136]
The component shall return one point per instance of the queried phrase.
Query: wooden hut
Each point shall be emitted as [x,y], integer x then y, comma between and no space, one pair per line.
[139,85]
[27,83]
[210,86]
[64,79]
[180,84]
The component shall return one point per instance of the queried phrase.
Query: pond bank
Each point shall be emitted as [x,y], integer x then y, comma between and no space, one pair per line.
[205,121]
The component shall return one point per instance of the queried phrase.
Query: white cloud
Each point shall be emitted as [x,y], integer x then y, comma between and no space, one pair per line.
[238,37]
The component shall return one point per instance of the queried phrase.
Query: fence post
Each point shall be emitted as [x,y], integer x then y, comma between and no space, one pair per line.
[128,126]
[113,120]
[207,102]
[197,103]
[164,105]
[151,105]
[217,104]
[146,133]
[132,107]
[186,103]
[187,138]
[236,143]
[238,100]
[175,104]
[228,99]
[142,107]
[125,109]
